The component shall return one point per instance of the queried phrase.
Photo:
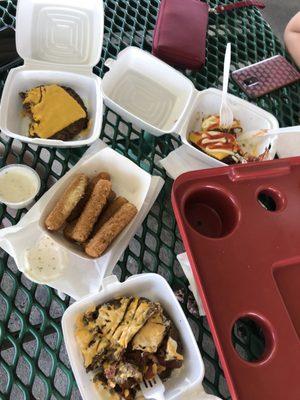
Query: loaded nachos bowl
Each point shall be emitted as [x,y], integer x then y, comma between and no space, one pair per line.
[129,332]
[215,146]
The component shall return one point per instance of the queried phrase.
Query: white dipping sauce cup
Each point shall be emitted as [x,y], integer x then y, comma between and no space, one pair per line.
[33,175]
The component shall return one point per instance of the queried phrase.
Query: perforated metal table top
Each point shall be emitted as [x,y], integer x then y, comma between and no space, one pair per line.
[33,361]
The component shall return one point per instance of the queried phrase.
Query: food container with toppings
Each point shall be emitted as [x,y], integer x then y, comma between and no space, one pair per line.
[55,99]
[187,378]
[19,184]
[149,93]
[80,272]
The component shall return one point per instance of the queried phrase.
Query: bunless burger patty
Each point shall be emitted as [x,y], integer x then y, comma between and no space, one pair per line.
[73,129]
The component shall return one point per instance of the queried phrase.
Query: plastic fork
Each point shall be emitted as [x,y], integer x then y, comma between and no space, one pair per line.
[153,389]
[226,115]
[263,133]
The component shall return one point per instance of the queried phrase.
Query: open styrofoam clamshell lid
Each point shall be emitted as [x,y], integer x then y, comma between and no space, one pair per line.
[146,91]
[66,32]
[184,383]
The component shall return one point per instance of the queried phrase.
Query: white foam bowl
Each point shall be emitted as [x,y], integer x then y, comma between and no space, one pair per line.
[252,118]
[146,91]
[155,288]
[15,125]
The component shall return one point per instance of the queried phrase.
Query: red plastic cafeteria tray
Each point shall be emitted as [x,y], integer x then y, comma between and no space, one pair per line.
[246,263]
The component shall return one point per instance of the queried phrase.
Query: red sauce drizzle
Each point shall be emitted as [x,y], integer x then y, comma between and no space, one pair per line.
[226,141]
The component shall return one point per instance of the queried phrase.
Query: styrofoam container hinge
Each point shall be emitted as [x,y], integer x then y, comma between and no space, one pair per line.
[38,65]
[109,62]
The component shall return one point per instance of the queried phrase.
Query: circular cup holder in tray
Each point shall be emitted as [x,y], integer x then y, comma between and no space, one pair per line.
[253,338]
[211,212]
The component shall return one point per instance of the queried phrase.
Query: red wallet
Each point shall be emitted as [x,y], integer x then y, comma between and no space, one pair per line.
[180,31]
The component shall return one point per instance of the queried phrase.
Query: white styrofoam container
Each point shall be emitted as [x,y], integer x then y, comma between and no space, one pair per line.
[60,42]
[155,288]
[252,118]
[154,96]
[146,91]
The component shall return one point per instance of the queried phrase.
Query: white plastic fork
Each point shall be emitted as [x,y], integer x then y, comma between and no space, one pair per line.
[226,115]
[263,133]
[153,389]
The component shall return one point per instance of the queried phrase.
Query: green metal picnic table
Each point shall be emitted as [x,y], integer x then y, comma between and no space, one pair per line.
[33,361]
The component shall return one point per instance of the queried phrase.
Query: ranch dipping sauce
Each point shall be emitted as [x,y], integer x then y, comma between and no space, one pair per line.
[44,262]
[19,185]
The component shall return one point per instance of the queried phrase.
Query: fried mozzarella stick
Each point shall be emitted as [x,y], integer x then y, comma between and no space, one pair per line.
[106,176]
[110,230]
[112,196]
[109,211]
[91,211]
[68,230]
[80,206]
[67,202]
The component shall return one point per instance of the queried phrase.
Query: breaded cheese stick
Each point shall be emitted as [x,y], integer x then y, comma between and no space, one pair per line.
[91,211]
[110,230]
[109,211]
[106,176]
[112,196]
[101,175]
[67,202]
[68,230]
[80,206]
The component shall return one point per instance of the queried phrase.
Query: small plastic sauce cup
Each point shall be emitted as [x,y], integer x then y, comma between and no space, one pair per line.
[19,184]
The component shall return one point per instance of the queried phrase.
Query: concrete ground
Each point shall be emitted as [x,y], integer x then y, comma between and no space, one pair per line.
[279,12]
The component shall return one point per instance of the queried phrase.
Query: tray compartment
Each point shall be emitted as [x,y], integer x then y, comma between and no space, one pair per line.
[287,278]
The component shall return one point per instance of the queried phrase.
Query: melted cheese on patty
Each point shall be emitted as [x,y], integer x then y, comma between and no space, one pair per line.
[52,109]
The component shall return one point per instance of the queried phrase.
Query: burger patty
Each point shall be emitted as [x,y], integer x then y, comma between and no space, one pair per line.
[71,130]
